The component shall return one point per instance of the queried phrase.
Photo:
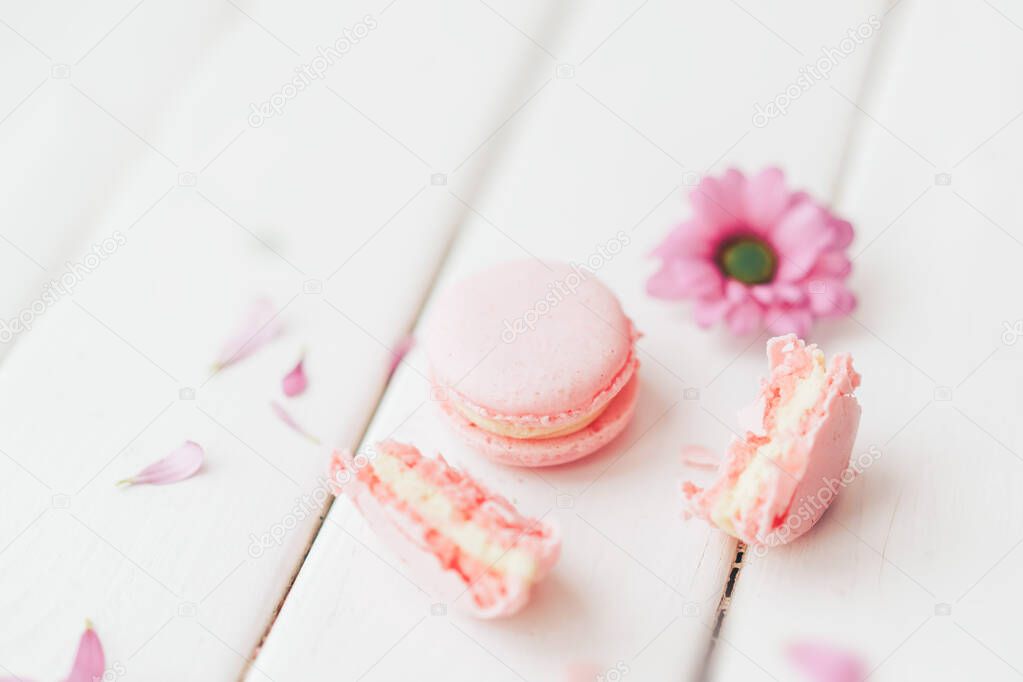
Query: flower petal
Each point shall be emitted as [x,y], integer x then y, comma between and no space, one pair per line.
[779,292]
[399,352]
[718,203]
[831,264]
[789,320]
[843,233]
[744,317]
[788,293]
[699,457]
[736,291]
[763,293]
[584,672]
[707,311]
[177,466]
[799,238]
[89,662]
[808,240]
[765,198]
[684,279]
[259,325]
[821,663]
[692,239]
[830,298]
[295,381]
[290,422]
[733,187]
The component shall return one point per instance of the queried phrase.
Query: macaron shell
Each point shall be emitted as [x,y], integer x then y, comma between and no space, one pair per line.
[809,484]
[828,458]
[793,501]
[405,537]
[551,451]
[529,341]
[795,493]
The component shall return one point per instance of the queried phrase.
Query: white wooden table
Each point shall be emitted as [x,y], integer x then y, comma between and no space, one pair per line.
[449,137]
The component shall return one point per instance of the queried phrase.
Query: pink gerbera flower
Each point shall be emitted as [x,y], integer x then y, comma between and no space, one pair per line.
[755,253]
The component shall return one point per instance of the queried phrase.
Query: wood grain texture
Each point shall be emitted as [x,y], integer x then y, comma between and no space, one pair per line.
[534,131]
[599,155]
[78,149]
[911,567]
[323,208]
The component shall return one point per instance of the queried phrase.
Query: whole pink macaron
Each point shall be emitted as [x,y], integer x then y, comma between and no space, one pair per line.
[534,363]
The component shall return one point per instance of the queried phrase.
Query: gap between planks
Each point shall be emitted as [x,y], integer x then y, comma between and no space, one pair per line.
[722,610]
[556,21]
[378,399]
[872,80]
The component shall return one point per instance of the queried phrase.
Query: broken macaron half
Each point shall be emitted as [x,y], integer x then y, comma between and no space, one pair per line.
[776,481]
[465,544]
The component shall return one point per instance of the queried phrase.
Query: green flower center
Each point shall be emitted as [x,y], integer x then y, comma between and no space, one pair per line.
[747,259]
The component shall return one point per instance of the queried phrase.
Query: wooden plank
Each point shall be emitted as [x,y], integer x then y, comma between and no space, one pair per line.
[66,152]
[331,214]
[601,152]
[911,569]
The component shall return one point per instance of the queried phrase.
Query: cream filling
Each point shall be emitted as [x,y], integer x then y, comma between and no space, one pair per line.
[431,504]
[787,417]
[503,428]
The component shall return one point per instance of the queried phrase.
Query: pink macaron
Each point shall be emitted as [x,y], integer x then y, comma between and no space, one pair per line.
[534,363]
[777,480]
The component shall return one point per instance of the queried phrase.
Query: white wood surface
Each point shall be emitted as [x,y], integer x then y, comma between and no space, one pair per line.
[527,129]
[71,164]
[324,193]
[912,568]
[591,156]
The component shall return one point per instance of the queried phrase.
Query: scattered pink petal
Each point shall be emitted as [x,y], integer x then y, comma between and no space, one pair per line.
[699,457]
[89,661]
[259,326]
[89,664]
[583,672]
[177,466]
[822,663]
[399,352]
[295,382]
[290,422]
[689,489]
